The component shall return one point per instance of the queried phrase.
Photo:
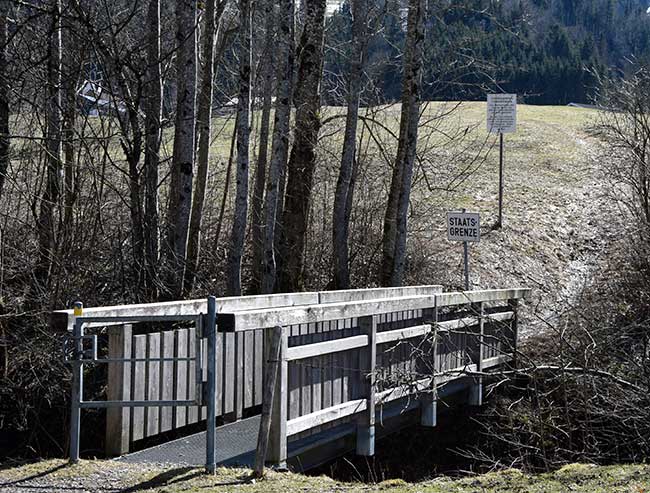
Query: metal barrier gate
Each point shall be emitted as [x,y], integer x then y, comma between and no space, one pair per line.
[81,349]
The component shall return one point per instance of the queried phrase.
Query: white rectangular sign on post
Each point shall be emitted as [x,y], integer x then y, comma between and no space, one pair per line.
[501,113]
[463,226]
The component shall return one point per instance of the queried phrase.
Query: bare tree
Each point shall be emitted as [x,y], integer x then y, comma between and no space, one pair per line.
[238,234]
[302,162]
[280,143]
[153,134]
[49,200]
[182,167]
[213,12]
[267,62]
[395,221]
[624,125]
[344,188]
[4,93]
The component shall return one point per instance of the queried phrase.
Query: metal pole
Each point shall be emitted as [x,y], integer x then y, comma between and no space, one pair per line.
[211,336]
[77,385]
[466,255]
[500,221]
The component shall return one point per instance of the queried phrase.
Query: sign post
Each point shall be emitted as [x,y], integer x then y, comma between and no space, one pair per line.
[501,119]
[466,227]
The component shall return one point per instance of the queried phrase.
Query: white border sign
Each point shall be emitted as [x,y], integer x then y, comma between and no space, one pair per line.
[502,113]
[464,226]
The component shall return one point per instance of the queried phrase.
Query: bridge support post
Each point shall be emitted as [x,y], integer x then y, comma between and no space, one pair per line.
[367,366]
[476,389]
[277,454]
[429,401]
[211,391]
[514,331]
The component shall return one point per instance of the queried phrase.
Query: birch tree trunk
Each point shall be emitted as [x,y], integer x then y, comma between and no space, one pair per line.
[344,189]
[182,167]
[4,94]
[238,234]
[395,220]
[302,161]
[153,117]
[280,140]
[45,223]
[262,155]
[213,12]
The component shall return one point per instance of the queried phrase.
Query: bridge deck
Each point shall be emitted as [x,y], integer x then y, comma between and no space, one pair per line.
[235,446]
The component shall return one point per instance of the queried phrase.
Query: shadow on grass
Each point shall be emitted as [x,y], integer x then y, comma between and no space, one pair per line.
[41,474]
[179,475]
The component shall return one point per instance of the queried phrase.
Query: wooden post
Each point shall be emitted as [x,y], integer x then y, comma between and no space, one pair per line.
[429,401]
[367,366]
[118,389]
[277,455]
[272,370]
[476,389]
[514,329]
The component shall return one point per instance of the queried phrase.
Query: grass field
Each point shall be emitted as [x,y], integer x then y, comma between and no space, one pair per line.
[104,476]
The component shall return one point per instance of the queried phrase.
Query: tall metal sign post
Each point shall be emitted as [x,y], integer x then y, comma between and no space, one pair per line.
[466,227]
[501,119]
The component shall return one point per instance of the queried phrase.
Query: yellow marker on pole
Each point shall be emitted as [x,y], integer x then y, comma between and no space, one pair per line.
[77,308]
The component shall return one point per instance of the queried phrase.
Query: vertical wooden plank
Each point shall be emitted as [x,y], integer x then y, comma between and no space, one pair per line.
[259,389]
[326,369]
[180,393]
[346,362]
[139,383]
[249,368]
[228,372]
[476,390]
[167,381]
[192,411]
[239,375]
[204,373]
[118,389]
[295,384]
[336,365]
[220,373]
[153,383]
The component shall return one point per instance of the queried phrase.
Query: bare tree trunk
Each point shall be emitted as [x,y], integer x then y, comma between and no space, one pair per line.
[182,167]
[4,94]
[280,141]
[238,234]
[153,117]
[262,156]
[395,221]
[302,161]
[343,195]
[213,12]
[45,222]
[69,82]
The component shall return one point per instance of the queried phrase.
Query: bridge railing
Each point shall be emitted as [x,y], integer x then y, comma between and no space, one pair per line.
[341,361]
[150,363]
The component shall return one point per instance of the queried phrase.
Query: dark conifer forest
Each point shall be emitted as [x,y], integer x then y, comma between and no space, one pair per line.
[548,51]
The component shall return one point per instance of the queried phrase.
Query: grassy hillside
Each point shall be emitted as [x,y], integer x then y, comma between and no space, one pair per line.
[104,476]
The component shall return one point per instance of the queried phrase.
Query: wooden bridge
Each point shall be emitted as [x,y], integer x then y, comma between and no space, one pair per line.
[353,366]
